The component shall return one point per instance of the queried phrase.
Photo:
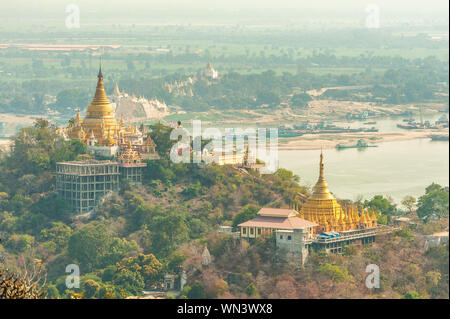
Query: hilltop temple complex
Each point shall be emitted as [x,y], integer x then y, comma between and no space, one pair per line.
[103,134]
[85,184]
[129,145]
[319,222]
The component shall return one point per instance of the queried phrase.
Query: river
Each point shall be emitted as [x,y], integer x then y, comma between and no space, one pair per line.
[393,169]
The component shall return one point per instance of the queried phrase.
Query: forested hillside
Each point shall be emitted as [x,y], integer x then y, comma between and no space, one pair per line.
[142,233]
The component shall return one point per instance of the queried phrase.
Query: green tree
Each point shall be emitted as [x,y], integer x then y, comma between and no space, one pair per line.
[335,272]
[168,231]
[268,97]
[147,266]
[409,202]
[382,205]
[433,203]
[58,233]
[411,295]
[301,100]
[71,98]
[160,134]
[118,249]
[251,290]
[108,273]
[175,262]
[90,288]
[184,293]
[20,243]
[197,291]
[88,244]
[130,281]
[52,292]
[247,213]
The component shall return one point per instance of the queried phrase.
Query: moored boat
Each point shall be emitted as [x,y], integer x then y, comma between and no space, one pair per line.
[360,144]
[439,137]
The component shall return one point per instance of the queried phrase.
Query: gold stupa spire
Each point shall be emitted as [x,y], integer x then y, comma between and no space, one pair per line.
[100,100]
[320,190]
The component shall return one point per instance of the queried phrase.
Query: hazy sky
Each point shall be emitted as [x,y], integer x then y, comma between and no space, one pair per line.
[193,10]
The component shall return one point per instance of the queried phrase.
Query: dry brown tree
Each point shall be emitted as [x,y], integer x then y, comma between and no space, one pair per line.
[26,286]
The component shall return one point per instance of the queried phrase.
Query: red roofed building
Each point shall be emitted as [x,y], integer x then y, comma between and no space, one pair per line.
[270,220]
[292,233]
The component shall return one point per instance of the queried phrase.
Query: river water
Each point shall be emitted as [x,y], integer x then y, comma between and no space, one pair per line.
[393,169]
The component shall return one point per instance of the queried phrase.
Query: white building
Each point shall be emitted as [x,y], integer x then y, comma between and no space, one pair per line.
[436,239]
[133,108]
[210,73]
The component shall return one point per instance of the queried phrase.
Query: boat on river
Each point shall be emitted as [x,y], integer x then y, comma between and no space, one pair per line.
[360,144]
[439,137]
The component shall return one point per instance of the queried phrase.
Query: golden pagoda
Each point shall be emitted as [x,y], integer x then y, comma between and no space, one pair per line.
[100,117]
[323,208]
[100,120]
[100,128]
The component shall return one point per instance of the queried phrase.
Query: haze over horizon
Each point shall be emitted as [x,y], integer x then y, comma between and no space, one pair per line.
[232,12]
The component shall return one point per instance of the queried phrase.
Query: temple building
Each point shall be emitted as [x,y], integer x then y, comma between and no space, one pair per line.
[323,209]
[103,134]
[292,233]
[132,108]
[85,183]
[130,164]
[99,125]
[317,222]
[209,72]
[270,220]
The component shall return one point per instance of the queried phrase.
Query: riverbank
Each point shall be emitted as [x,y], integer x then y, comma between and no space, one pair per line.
[329,141]
[316,112]
[17,119]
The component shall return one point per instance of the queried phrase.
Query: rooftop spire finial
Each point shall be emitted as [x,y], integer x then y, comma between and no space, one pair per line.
[320,190]
[321,164]
[100,75]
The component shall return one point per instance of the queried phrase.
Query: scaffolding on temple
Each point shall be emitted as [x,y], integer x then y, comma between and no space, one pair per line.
[85,183]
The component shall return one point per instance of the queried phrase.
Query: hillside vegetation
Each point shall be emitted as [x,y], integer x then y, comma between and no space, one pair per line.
[142,233]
